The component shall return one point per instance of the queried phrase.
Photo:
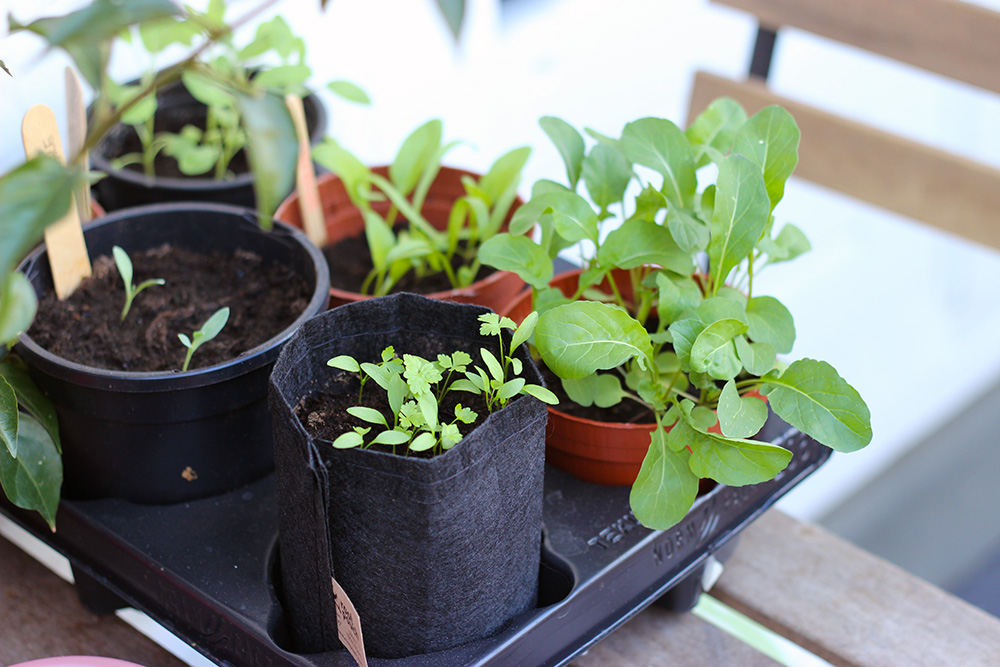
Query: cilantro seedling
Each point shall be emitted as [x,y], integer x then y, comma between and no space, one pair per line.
[209,330]
[124,265]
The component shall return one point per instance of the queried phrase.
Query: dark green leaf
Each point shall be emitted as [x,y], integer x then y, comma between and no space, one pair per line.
[736,462]
[639,242]
[811,396]
[665,488]
[606,174]
[771,140]
[741,212]
[569,143]
[349,92]
[583,337]
[29,397]
[660,145]
[272,149]
[519,255]
[740,416]
[9,417]
[453,12]
[32,480]
[3,66]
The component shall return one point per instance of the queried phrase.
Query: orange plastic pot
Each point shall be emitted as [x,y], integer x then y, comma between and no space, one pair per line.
[608,453]
[344,220]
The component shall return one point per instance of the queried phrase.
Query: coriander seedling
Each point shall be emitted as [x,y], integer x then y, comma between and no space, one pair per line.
[124,265]
[209,330]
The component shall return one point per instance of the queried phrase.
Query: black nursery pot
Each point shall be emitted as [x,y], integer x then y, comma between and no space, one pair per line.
[433,552]
[132,435]
[123,188]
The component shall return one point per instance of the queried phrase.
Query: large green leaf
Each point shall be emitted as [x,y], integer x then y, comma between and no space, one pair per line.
[18,304]
[740,215]
[580,338]
[33,196]
[29,397]
[519,255]
[771,140]
[639,242]
[600,389]
[811,396]
[660,145]
[568,142]
[690,232]
[715,127]
[33,479]
[665,488]
[86,33]
[737,462]
[757,358]
[771,322]
[676,294]
[415,155]
[272,149]
[606,174]
[684,333]
[9,417]
[740,416]
[713,351]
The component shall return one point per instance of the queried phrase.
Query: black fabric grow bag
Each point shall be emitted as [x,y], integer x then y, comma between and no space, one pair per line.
[132,434]
[432,552]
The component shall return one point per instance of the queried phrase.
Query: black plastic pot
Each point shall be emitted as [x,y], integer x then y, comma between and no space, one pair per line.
[131,435]
[123,188]
[433,552]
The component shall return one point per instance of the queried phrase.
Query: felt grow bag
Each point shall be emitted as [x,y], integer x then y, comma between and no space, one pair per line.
[132,435]
[432,552]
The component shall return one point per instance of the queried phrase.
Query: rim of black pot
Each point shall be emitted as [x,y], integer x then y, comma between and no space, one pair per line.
[101,163]
[147,381]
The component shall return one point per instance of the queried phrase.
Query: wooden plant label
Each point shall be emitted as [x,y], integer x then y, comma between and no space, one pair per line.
[305,177]
[76,134]
[64,238]
[349,625]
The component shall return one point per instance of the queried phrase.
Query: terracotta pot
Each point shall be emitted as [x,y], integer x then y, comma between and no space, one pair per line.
[343,220]
[608,453]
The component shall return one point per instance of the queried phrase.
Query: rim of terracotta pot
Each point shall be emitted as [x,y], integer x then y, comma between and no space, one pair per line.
[337,204]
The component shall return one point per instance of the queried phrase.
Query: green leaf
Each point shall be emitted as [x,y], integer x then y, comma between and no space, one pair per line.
[771,323]
[639,242]
[684,333]
[811,396]
[453,12]
[524,331]
[720,307]
[496,370]
[757,358]
[86,34]
[396,393]
[736,462]
[583,337]
[715,127]
[520,255]
[504,173]
[142,110]
[740,215]
[665,488]
[569,143]
[572,217]
[676,295]
[32,196]
[344,363]
[346,166]
[423,442]
[158,35]
[770,139]
[541,393]
[600,389]
[740,416]
[349,92]
[689,232]
[4,68]
[18,305]
[510,389]
[284,78]
[660,145]
[415,156]
[713,351]
[381,240]
[272,150]
[348,440]
[392,438]
[792,242]
[33,479]
[213,326]
[367,414]
[606,174]
[9,417]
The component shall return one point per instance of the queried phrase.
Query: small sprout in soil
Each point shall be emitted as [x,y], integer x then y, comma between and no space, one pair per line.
[124,265]
[209,330]
[415,387]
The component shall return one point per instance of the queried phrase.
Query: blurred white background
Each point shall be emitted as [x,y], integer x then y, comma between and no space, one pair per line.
[909,315]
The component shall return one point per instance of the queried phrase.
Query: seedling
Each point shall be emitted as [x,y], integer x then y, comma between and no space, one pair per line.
[415,387]
[209,330]
[124,265]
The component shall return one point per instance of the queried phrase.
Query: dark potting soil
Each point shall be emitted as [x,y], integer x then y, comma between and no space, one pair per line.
[626,412]
[86,327]
[350,263]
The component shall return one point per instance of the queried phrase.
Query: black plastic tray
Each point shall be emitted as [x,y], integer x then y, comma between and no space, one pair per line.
[205,569]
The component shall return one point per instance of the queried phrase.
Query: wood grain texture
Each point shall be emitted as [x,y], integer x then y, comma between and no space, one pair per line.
[41,617]
[848,606]
[957,39]
[933,186]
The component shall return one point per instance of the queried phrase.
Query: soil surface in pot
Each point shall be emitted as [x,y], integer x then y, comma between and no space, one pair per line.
[350,263]
[86,328]
[625,412]
[324,415]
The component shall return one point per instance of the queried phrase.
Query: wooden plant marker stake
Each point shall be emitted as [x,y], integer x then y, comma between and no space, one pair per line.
[305,178]
[76,134]
[64,238]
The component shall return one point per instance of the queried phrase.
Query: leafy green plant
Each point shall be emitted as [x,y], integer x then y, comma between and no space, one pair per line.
[210,329]
[124,264]
[419,246]
[415,388]
[666,299]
